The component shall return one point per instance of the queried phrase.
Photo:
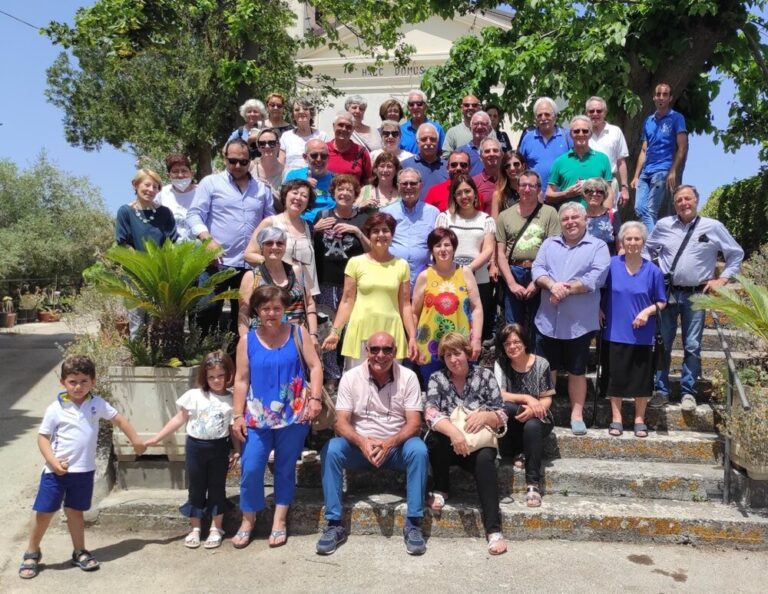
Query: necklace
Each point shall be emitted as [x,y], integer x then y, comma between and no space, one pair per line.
[140,213]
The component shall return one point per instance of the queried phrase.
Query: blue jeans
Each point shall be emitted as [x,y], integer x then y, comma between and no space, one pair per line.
[410,456]
[692,330]
[517,311]
[649,197]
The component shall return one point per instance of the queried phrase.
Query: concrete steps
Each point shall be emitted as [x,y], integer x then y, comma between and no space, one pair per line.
[563,517]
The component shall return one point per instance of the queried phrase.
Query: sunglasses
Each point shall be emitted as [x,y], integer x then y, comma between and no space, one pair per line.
[271,242]
[375,350]
[594,192]
[594,111]
[269,143]
[390,133]
[416,104]
[514,164]
[408,184]
[458,165]
[320,156]
[579,131]
[241,162]
[470,105]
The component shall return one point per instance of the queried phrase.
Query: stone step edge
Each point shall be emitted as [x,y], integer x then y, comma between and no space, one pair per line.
[563,517]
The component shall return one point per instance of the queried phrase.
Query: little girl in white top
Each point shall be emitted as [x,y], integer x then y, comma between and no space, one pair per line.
[207,411]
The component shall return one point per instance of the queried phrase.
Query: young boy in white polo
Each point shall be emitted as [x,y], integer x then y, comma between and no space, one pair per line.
[67,440]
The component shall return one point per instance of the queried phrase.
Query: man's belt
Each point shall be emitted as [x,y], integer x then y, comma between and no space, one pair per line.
[521,263]
[696,289]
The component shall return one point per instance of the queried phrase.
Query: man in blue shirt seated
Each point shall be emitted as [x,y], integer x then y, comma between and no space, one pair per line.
[570,269]
[661,160]
[317,174]
[693,273]
[431,167]
[417,107]
[227,207]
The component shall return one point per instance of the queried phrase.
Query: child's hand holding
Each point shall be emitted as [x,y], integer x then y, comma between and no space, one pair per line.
[152,441]
[234,458]
[139,448]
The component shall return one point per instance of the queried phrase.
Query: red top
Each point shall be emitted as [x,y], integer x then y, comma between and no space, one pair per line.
[486,186]
[355,161]
[437,195]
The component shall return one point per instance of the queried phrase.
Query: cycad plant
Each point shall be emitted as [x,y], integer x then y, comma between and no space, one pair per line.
[162,280]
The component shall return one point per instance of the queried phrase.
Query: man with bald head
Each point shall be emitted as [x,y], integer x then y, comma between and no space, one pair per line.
[316,173]
[378,421]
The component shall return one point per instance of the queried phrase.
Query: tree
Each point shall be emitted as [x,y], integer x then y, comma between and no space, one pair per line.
[52,224]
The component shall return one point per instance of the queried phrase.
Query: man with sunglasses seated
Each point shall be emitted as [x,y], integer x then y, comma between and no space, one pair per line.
[571,169]
[226,209]
[317,174]
[378,421]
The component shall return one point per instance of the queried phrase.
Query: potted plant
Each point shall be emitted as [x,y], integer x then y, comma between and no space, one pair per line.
[747,309]
[8,315]
[29,302]
[163,281]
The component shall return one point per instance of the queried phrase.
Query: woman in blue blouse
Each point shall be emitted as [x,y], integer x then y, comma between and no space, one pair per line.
[273,407]
[634,292]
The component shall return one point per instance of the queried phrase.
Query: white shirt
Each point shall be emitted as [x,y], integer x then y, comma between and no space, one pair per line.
[74,430]
[293,146]
[611,142]
[401,156]
[210,415]
[178,203]
[471,234]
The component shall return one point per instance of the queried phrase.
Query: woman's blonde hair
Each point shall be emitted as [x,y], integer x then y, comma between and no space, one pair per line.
[140,176]
[453,341]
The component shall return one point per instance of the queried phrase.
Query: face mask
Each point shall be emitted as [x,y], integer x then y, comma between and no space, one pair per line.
[182,184]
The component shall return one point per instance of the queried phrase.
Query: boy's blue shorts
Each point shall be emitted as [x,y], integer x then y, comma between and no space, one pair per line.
[74,489]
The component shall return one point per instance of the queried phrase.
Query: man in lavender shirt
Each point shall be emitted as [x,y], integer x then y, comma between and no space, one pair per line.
[226,209]
[570,269]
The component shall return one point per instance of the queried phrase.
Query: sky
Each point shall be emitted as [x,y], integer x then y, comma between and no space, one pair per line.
[30,123]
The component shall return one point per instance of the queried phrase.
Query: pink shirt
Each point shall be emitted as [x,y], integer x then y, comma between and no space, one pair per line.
[486,186]
[378,413]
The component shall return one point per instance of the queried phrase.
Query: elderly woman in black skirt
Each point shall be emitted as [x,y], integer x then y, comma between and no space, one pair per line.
[634,293]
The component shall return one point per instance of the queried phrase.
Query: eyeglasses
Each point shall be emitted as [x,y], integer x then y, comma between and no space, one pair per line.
[527,186]
[241,162]
[318,156]
[591,111]
[271,243]
[594,192]
[458,165]
[579,131]
[375,350]
[408,184]
[470,105]
[511,343]
[267,143]
[390,133]
[416,104]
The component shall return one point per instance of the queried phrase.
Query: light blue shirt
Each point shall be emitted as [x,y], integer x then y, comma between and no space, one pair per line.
[413,227]
[587,262]
[408,136]
[697,262]
[540,153]
[229,214]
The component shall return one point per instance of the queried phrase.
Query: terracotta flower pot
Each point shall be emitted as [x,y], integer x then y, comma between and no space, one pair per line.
[44,316]
[10,320]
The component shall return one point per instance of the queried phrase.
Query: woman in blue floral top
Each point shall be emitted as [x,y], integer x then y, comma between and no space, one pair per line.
[273,406]
[602,222]
[476,390]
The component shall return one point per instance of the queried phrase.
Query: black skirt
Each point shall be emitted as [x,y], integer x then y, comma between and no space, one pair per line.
[629,369]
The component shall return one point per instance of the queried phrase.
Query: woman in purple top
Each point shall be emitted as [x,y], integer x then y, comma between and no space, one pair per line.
[634,292]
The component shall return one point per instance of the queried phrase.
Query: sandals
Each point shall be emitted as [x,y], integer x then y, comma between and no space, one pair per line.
[641,430]
[274,535]
[616,429]
[84,560]
[436,500]
[244,536]
[192,541]
[533,496]
[215,536]
[519,463]
[31,569]
[496,543]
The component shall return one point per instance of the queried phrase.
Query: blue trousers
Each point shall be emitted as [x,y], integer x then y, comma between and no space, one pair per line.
[649,197]
[692,323]
[411,456]
[287,443]
[518,311]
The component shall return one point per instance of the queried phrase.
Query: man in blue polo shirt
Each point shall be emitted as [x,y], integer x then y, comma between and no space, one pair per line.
[544,143]
[417,107]
[316,156]
[480,125]
[661,160]
[427,162]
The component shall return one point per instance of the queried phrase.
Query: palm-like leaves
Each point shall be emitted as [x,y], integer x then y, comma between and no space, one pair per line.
[163,281]
[748,312]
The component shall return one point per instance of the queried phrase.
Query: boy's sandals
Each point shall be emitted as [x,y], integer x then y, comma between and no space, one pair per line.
[519,462]
[242,539]
[214,539]
[29,570]
[277,538]
[84,560]
[496,543]
[615,429]
[436,500]
[192,541]
[641,430]
[533,496]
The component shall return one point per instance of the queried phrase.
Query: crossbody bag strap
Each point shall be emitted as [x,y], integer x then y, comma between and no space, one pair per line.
[683,245]
[296,332]
[528,220]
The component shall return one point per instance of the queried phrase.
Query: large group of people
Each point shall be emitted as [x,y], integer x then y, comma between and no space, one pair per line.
[427,247]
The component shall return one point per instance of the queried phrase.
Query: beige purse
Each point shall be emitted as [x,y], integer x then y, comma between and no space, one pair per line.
[485,438]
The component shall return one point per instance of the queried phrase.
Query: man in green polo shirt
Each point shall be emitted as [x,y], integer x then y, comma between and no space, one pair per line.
[580,163]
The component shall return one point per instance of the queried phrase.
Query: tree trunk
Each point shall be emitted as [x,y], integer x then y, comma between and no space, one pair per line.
[201,153]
